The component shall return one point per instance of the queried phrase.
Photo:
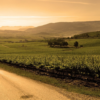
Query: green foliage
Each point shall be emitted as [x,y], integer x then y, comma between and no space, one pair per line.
[76,44]
[91,47]
[57,42]
[85,60]
[40,54]
[84,65]
[87,35]
[65,43]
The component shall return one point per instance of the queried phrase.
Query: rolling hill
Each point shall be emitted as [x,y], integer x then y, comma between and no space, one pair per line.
[65,28]
[88,35]
[60,29]
[20,28]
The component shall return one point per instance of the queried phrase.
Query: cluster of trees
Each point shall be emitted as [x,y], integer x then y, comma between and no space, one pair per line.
[81,36]
[60,43]
[57,42]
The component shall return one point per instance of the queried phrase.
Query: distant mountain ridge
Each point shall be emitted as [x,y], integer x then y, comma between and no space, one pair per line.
[60,29]
[65,28]
[20,28]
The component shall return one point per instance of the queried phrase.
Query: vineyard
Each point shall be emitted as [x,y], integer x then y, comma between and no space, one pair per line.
[74,66]
[81,63]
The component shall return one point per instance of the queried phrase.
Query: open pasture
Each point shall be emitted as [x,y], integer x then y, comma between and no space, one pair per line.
[90,47]
[82,62]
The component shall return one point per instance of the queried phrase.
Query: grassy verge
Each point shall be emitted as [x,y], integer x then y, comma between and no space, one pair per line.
[52,81]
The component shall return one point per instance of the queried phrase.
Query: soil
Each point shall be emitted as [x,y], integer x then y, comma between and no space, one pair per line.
[14,87]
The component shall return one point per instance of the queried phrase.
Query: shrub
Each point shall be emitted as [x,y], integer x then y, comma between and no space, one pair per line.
[76,44]
[81,45]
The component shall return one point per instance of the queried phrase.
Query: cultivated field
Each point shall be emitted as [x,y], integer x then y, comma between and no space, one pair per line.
[75,63]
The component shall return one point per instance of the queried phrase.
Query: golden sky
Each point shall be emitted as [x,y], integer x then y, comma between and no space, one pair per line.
[39,12]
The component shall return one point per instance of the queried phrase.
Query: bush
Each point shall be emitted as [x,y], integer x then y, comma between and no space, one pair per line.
[76,44]
[65,43]
[81,45]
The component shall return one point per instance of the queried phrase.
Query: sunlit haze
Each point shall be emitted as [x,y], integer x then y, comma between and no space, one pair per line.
[40,12]
[31,20]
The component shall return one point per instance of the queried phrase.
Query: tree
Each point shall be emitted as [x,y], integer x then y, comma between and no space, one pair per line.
[65,43]
[57,42]
[76,44]
[50,43]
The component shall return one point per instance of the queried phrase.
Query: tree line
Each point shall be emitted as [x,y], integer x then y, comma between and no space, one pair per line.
[60,43]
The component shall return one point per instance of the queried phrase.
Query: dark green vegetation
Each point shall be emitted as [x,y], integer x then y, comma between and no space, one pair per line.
[81,62]
[91,35]
[57,43]
[76,44]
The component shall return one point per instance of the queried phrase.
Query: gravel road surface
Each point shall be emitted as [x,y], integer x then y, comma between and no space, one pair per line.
[14,87]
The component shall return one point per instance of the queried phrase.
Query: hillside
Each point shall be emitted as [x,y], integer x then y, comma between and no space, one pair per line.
[61,29]
[20,28]
[65,28]
[12,34]
[88,35]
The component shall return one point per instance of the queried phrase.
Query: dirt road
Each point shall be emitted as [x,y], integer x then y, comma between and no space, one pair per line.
[14,87]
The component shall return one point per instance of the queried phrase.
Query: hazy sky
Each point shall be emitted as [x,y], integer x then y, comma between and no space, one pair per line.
[39,12]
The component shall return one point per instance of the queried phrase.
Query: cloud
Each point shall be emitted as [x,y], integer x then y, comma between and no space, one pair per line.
[83,3]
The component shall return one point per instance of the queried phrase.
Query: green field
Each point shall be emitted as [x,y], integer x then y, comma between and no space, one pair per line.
[40,54]
[71,61]
[90,47]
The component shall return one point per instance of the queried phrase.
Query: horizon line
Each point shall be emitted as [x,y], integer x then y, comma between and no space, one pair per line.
[48,23]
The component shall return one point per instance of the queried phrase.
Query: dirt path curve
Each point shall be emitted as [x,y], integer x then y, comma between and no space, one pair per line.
[14,87]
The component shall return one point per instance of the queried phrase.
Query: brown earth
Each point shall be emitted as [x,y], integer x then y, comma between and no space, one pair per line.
[14,87]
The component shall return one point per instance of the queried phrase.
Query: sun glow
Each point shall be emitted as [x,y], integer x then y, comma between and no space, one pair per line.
[10,22]
[31,20]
